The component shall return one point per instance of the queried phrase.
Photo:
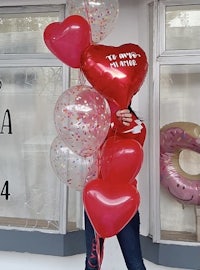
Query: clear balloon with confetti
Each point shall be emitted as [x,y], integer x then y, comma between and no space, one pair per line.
[82,119]
[100,14]
[70,168]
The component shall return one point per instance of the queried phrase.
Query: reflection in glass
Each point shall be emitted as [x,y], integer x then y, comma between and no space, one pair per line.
[23,33]
[29,94]
[182,27]
[179,93]
[179,102]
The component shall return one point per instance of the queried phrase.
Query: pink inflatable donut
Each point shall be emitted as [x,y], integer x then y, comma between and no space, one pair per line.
[174,138]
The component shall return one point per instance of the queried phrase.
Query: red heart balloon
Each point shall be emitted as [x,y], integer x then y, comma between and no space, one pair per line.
[120,159]
[108,207]
[116,72]
[68,39]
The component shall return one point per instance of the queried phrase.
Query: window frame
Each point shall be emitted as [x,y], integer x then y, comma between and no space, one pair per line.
[161,50]
[62,242]
[162,57]
[37,60]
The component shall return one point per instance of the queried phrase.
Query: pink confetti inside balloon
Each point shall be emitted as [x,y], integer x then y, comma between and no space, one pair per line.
[71,168]
[100,14]
[82,119]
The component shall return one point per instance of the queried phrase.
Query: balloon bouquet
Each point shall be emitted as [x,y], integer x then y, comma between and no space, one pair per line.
[89,133]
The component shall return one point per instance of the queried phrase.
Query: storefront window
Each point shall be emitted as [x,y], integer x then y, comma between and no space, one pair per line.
[31,195]
[182,27]
[22,33]
[180,148]
[175,106]
[28,96]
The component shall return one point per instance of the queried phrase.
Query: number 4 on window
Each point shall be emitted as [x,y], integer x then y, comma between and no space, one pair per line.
[5,190]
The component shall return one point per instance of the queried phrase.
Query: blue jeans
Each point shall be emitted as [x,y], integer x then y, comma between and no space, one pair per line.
[129,241]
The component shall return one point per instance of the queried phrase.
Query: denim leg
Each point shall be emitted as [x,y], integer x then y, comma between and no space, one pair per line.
[91,261]
[129,241]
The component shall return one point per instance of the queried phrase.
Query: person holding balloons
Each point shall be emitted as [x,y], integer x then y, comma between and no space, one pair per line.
[117,74]
[129,236]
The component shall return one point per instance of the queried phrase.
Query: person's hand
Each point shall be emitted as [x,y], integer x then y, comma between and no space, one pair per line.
[125,116]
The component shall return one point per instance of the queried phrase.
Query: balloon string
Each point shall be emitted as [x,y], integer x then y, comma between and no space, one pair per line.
[99,251]
[115,137]
[99,163]
[86,5]
[81,77]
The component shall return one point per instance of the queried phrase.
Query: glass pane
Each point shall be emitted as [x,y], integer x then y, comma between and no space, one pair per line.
[75,205]
[183,27]
[27,100]
[180,151]
[75,210]
[23,33]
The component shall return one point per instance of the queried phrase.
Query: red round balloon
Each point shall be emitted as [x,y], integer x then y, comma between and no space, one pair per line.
[116,72]
[110,207]
[68,39]
[120,159]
